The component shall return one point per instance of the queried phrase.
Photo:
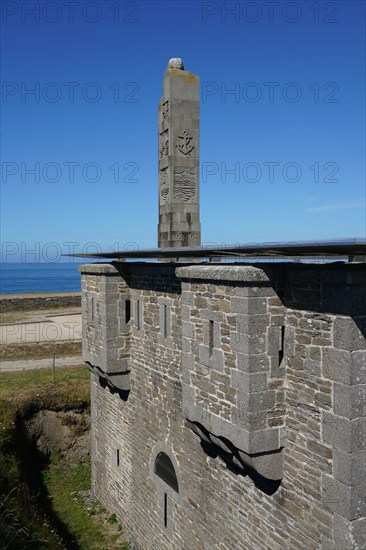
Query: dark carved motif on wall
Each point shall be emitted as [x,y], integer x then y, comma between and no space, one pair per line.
[179,235]
[164,144]
[184,183]
[165,110]
[185,143]
[164,186]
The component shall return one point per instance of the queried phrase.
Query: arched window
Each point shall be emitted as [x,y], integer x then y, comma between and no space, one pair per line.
[165,470]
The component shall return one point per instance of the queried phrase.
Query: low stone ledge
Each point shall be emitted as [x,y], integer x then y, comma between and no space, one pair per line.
[268,464]
[251,442]
[98,269]
[119,381]
[39,301]
[244,274]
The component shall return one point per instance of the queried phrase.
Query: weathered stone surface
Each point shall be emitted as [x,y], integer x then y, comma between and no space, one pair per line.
[349,468]
[249,306]
[292,404]
[345,434]
[347,367]
[98,269]
[248,274]
[252,363]
[179,222]
[349,535]
[269,465]
[346,500]
[349,401]
[246,382]
[198,431]
[348,334]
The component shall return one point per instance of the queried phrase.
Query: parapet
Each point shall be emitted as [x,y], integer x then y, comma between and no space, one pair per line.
[232,358]
[263,362]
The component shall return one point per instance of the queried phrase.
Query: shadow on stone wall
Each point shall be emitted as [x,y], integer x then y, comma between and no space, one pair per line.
[267,486]
[103,382]
[335,288]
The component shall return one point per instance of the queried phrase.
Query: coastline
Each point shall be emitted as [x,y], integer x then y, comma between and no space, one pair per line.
[39,300]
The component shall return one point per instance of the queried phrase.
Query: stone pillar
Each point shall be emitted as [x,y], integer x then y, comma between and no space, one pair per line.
[179,219]
[106,307]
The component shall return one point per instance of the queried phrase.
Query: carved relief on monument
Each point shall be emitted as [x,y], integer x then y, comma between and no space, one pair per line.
[184,236]
[184,143]
[165,110]
[164,144]
[164,186]
[184,183]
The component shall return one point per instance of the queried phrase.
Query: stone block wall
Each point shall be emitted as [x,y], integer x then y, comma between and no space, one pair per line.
[252,380]
[232,342]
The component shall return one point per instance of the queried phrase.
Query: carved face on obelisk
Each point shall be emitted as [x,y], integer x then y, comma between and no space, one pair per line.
[179,220]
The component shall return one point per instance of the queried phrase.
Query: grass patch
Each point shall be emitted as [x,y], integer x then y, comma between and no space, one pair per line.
[26,392]
[112,519]
[63,484]
[36,521]
[86,521]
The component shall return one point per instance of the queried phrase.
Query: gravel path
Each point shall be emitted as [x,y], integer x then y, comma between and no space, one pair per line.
[55,327]
[14,366]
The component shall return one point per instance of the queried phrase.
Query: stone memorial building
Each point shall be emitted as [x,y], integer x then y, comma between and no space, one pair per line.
[228,399]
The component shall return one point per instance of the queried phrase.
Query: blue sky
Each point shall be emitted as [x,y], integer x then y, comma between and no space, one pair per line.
[282,121]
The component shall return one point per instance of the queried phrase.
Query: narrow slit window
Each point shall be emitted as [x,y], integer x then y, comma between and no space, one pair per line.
[210,336]
[128,311]
[165,320]
[92,309]
[117,457]
[281,351]
[138,315]
[165,510]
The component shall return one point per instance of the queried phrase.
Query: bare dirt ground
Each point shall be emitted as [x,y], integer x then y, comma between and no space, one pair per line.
[33,316]
[36,338]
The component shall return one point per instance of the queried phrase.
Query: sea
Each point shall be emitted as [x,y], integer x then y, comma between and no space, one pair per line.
[18,278]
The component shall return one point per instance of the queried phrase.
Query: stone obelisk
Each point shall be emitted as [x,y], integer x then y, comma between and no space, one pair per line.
[179,216]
